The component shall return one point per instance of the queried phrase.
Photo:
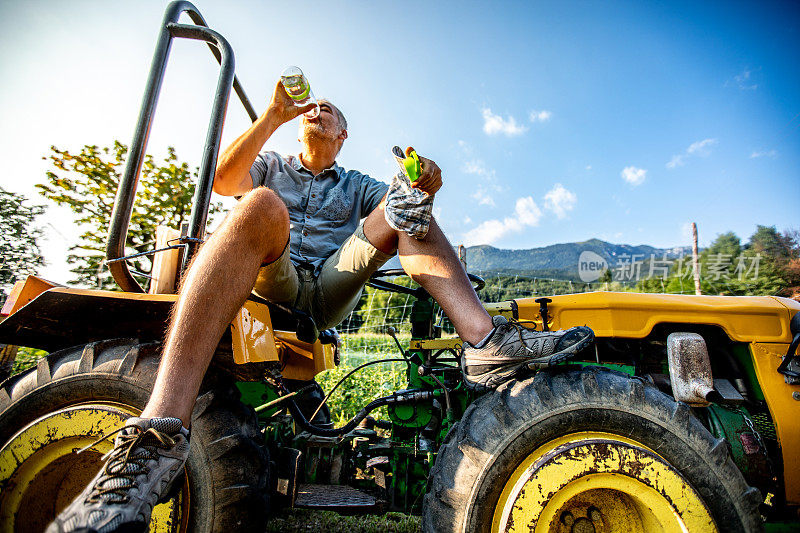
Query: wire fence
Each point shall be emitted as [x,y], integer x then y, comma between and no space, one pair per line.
[365,331]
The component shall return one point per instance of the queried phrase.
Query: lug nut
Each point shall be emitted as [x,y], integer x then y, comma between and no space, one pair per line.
[594,514]
[567,519]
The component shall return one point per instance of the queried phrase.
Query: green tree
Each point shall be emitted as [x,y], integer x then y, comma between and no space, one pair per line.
[769,264]
[19,249]
[791,267]
[766,240]
[87,182]
[780,257]
[726,244]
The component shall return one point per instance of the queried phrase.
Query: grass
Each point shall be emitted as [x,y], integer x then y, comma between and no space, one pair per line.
[302,520]
[26,358]
[362,387]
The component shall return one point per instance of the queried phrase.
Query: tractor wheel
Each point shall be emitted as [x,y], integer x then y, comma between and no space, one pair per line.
[75,396]
[587,450]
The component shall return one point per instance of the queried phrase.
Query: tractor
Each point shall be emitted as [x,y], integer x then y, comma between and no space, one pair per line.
[683,415]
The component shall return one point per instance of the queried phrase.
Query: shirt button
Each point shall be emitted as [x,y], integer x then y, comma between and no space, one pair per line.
[313,195]
[305,233]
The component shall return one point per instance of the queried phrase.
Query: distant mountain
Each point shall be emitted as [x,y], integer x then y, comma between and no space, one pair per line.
[562,259]
[558,260]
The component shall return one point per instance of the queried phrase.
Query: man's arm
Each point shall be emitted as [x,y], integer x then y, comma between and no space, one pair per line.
[233,167]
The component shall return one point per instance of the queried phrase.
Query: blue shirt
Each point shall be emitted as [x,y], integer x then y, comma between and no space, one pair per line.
[324,210]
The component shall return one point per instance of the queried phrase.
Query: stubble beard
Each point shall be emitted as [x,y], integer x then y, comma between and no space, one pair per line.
[316,131]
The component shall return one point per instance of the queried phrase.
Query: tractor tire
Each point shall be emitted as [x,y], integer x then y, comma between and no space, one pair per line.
[76,396]
[585,450]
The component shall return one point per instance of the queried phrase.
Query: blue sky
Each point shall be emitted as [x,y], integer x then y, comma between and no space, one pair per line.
[552,122]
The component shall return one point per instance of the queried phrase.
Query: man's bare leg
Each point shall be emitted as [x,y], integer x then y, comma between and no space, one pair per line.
[215,287]
[433,263]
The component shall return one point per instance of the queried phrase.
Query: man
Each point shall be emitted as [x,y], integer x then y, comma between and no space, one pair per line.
[297,237]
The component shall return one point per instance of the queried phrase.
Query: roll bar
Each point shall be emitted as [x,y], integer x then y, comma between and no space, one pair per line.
[123,206]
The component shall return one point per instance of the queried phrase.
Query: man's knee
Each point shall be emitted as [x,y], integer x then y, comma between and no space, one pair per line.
[263,202]
[263,216]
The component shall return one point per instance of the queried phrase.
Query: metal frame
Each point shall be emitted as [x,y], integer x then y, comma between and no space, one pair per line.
[123,206]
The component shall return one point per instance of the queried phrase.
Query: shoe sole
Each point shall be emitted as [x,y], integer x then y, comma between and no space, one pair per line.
[551,360]
[563,355]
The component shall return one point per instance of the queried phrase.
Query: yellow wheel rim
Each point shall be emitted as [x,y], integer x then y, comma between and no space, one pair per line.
[596,482]
[40,473]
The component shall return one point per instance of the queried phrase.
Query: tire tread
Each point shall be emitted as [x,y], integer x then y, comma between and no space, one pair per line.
[461,490]
[233,488]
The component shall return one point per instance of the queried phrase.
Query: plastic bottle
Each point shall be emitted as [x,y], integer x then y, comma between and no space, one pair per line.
[299,90]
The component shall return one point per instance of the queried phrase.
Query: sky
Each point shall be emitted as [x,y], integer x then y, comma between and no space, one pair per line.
[552,121]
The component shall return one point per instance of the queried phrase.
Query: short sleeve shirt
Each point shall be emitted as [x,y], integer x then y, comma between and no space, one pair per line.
[324,210]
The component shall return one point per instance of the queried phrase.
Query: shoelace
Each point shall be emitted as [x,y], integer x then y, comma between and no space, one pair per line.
[517,325]
[123,456]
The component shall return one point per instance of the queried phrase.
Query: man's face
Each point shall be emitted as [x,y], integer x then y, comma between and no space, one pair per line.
[324,127]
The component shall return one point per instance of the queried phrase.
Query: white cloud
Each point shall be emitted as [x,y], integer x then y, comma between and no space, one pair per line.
[686,233]
[487,184]
[744,80]
[489,179]
[494,124]
[588,167]
[765,153]
[698,148]
[701,147]
[477,167]
[676,161]
[634,176]
[526,214]
[540,116]
[559,200]
[481,195]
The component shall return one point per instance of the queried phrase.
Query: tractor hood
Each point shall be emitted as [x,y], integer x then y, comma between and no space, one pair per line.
[633,315]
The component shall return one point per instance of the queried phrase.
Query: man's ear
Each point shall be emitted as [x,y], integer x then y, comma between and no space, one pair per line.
[343,135]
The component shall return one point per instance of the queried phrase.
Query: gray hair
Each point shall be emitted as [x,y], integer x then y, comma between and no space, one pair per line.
[339,114]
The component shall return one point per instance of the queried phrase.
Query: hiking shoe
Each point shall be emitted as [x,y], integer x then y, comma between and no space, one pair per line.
[147,459]
[512,348]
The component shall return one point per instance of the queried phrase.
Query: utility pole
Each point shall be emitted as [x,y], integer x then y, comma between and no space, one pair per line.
[695,260]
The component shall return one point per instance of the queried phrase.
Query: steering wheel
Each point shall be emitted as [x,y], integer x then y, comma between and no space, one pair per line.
[376,281]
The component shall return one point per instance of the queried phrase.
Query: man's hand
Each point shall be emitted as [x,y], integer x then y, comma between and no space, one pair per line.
[282,108]
[431,179]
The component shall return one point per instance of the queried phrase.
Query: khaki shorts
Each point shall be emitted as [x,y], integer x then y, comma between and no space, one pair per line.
[335,292]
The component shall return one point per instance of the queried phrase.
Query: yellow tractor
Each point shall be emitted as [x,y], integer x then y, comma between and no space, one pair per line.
[683,416]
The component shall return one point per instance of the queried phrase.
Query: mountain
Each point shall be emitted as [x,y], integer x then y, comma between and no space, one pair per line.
[559,260]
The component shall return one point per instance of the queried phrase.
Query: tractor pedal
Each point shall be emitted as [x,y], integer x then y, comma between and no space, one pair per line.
[339,498]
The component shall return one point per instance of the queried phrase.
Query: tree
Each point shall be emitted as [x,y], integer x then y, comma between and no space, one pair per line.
[766,240]
[726,244]
[87,182]
[19,250]
[791,267]
[769,264]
